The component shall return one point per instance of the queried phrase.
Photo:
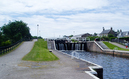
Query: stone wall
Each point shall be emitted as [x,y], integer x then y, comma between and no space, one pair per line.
[91,46]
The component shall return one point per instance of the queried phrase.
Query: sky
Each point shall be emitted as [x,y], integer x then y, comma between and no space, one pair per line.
[57,18]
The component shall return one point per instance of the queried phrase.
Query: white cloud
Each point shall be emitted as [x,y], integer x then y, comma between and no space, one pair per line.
[90,15]
[54,5]
[80,23]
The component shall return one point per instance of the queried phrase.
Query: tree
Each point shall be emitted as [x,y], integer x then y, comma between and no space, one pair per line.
[92,38]
[95,34]
[71,36]
[16,30]
[110,36]
[0,37]
[105,38]
[118,31]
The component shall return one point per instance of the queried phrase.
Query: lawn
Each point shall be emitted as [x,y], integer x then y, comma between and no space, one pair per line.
[111,46]
[40,52]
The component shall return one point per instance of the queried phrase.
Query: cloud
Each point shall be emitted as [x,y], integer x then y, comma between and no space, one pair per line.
[80,23]
[17,6]
[63,17]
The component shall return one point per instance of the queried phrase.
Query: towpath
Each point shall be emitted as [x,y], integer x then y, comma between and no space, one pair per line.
[119,45]
[12,67]
[9,63]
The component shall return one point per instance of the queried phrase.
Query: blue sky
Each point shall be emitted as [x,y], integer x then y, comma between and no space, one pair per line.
[65,17]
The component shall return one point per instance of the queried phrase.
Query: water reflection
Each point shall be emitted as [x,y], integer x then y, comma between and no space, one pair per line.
[114,67]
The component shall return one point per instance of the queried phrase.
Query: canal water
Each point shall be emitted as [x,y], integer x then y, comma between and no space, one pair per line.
[113,67]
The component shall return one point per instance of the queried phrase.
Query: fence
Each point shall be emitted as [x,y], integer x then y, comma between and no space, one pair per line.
[8,48]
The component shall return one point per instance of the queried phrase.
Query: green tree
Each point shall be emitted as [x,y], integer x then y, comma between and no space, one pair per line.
[0,37]
[92,38]
[16,30]
[105,38]
[95,34]
[118,31]
[71,36]
[110,36]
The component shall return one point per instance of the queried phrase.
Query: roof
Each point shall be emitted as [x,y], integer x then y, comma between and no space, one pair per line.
[105,31]
[80,35]
[123,34]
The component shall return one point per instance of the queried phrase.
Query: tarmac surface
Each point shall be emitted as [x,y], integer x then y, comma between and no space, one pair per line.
[12,67]
[119,45]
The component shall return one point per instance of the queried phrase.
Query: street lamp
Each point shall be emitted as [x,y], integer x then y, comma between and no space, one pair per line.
[37,31]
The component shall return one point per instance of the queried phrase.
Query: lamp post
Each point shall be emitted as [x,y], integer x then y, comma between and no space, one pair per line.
[37,31]
[73,33]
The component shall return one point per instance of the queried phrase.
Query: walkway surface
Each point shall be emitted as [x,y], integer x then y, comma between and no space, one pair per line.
[9,68]
[119,45]
[12,67]
[102,45]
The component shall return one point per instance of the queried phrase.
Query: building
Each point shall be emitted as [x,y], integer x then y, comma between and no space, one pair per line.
[123,34]
[81,37]
[107,32]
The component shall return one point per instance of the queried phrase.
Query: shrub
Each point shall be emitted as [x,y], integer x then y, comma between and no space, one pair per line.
[6,43]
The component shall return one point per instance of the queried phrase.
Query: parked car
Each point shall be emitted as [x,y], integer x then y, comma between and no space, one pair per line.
[97,39]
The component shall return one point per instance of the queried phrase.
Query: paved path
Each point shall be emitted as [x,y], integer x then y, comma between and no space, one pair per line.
[12,67]
[102,45]
[9,62]
[71,69]
[119,45]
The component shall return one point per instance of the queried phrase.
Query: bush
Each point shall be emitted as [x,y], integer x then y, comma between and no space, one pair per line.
[105,38]
[92,38]
[112,38]
[74,41]
[6,43]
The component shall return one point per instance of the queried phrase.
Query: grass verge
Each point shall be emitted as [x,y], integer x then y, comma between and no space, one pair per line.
[111,46]
[40,52]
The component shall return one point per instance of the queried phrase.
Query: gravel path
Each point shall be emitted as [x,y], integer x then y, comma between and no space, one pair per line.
[12,67]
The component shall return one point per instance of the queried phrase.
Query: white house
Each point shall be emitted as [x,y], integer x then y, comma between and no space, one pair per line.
[123,34]
[81,37]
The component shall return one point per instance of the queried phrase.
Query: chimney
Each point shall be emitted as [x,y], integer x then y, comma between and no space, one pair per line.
[120,30]
[111,28]
[103,29]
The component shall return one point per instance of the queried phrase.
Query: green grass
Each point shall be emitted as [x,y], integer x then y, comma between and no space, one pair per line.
[111,46]
[40,52]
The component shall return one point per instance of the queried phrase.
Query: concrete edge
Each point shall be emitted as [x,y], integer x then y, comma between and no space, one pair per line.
[98,45]
[116,51]
[54,45]
[94,70]
[110,50]
[92,73]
